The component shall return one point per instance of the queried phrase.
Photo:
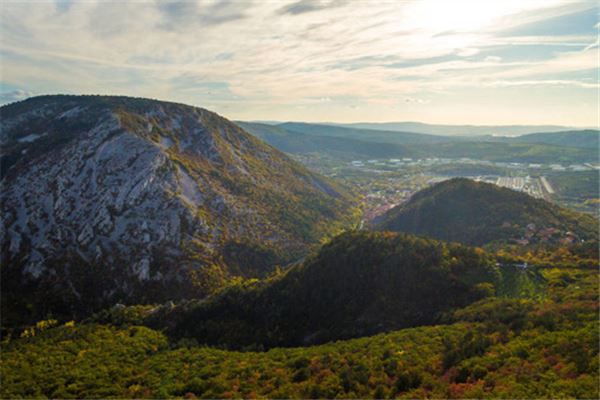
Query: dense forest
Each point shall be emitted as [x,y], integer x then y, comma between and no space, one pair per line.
[541,346]
[358,284]
[479,213]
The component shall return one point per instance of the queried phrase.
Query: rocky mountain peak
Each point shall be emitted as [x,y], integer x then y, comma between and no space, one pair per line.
[129,194]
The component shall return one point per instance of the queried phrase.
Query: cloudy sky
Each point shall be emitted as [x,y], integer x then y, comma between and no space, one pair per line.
[440,61]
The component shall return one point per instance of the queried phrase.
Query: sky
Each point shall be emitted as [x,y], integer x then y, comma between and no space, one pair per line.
[436,61]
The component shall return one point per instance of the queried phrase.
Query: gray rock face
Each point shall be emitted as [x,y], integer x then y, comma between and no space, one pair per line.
[145,191]
[107,193]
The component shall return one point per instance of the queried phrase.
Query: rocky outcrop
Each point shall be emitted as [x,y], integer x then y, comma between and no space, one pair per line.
[148,192]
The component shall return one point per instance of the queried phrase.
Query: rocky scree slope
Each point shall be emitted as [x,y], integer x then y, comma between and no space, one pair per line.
[110,199]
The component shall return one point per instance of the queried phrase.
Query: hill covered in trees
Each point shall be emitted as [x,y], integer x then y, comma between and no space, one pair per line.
[539,347]
[587,138]
[346,142]
[358,284]
[341,147]
[478,213]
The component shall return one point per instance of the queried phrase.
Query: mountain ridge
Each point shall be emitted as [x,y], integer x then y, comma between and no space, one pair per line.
[172,199]
[351,143]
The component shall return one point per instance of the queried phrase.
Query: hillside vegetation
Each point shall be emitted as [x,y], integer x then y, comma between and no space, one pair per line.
[478,213]
[348,142]
[358,284]
[587,138]
[116,199]
[510,152]
[495,348]
[458,130]
[345,148]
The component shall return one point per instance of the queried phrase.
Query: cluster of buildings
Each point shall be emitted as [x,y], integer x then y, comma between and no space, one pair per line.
[545,235]
[430,161]
[533,186]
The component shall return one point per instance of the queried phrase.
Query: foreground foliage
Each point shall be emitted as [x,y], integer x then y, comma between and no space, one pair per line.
[497,347]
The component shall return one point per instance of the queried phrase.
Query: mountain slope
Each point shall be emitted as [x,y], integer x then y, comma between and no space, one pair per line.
[345,148]
[350,143]
[479,213]
[585,138]
[115,198]
[499,150]
[369,135]
[457,130]
[358,284]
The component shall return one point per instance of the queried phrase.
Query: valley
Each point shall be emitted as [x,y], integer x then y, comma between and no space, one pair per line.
[384,183]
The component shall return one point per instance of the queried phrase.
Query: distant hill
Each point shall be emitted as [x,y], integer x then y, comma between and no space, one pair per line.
[457,130]
[371,135]
[479,213]
[588,138]
[348,143]
[507,150]
[341,147]
[108,199]
[358,284]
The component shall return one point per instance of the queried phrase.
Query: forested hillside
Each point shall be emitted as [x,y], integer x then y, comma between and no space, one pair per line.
[478,213]
[587,138]
[350,142]
[358,284]
[345,148]
[495,348]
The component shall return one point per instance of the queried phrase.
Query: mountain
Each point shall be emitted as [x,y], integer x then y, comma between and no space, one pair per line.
[109,199]
[588,138]
[370,135]
[341,147]
[353,143]
[457,130]
[505,150]
[478,213]
[358,284]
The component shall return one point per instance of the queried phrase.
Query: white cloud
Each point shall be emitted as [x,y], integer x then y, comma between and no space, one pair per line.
[271,55]
[14,95]
[492,59]
[546,82]
[593,45]
[416,100]
[467,52]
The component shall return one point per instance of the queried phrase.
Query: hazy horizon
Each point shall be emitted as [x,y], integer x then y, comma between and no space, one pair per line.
[318,122]
[455,63]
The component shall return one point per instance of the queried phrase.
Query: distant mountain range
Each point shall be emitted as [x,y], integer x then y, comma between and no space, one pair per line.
[108,199]
[477,213]
[459,130]
[443,129]
[588,138]
[340,147]
[350,143]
